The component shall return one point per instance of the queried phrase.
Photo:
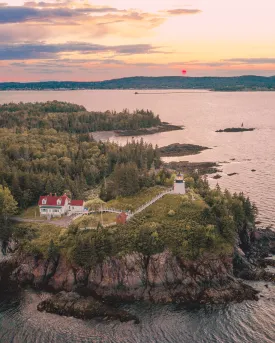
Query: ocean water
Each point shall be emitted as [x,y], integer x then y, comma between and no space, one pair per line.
[201,114]
[248,322]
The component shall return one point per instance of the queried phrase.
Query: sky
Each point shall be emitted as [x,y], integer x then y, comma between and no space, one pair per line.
[83,40]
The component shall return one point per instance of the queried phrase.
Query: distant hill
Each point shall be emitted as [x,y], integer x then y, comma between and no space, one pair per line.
[240,83]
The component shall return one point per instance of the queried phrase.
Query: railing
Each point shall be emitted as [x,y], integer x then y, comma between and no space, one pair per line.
[105,209]
[149,203]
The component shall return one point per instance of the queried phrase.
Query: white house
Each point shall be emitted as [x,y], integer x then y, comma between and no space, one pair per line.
[57,206]
[179,185]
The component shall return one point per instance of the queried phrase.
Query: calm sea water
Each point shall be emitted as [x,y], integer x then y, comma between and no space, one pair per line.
[248,322]
[201,114]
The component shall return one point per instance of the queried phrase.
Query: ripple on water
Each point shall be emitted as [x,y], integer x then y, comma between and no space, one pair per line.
[249,322]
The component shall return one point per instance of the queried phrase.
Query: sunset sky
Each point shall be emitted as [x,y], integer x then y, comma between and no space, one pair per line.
[106,39]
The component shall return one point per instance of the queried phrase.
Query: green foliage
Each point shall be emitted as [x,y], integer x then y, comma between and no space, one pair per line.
[30,213]
[171,213]
[40,239]
[124,182]
[95,204]
[240,83]
[8,206]
[53,251]
[147,239]
[133,202]
[92,220]
[67,117]
[37,162]
[202,224]
[92,247]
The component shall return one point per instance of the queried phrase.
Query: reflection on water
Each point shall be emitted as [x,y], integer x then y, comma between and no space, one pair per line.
[201,114]
[249,322]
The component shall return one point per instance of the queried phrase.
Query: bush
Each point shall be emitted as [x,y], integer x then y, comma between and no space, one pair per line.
[171,213]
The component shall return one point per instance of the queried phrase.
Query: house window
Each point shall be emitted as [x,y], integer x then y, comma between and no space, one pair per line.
[59,202]
[44,201]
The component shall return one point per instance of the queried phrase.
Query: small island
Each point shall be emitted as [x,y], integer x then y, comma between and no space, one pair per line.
[178,149]
[236,129]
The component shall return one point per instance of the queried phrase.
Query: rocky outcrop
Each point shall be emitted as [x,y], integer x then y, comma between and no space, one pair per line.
[263,241]
[72,304]
[160,278]
[250,263]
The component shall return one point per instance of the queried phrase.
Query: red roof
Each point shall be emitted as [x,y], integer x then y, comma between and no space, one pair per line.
[77,203]
[51,200]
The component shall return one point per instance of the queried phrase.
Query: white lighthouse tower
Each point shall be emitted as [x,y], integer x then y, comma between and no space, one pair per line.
[179,184]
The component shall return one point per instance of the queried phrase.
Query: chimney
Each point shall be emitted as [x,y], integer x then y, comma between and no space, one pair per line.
[50,194]
[55,195]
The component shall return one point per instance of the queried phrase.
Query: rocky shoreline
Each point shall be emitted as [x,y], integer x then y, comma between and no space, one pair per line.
[160,278]
[73,305]
[236,129]
[201,167]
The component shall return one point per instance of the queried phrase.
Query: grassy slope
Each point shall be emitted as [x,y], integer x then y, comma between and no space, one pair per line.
[183,208]
[137,200]
[92,220]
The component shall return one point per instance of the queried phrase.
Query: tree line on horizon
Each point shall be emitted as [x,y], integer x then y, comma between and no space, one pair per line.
[235,83]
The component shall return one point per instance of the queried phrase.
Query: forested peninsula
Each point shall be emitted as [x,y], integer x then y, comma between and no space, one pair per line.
[229,84]
[183,248]
[48,148]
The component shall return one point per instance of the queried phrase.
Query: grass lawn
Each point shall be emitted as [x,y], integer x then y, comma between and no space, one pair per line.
[92,220]
[173,208]
[30,212]
[34,213]
[159,210]
[137,200]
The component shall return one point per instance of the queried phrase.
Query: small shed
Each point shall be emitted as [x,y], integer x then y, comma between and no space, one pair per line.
[121,218]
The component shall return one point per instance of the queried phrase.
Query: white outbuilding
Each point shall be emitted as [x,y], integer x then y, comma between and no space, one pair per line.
[76,206]
[179,184]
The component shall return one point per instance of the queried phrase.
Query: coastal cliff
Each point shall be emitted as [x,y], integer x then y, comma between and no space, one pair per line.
[160,278]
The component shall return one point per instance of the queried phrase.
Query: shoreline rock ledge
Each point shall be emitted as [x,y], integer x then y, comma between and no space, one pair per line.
[73,305]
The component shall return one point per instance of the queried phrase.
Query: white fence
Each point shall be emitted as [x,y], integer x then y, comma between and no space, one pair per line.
[149,203]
